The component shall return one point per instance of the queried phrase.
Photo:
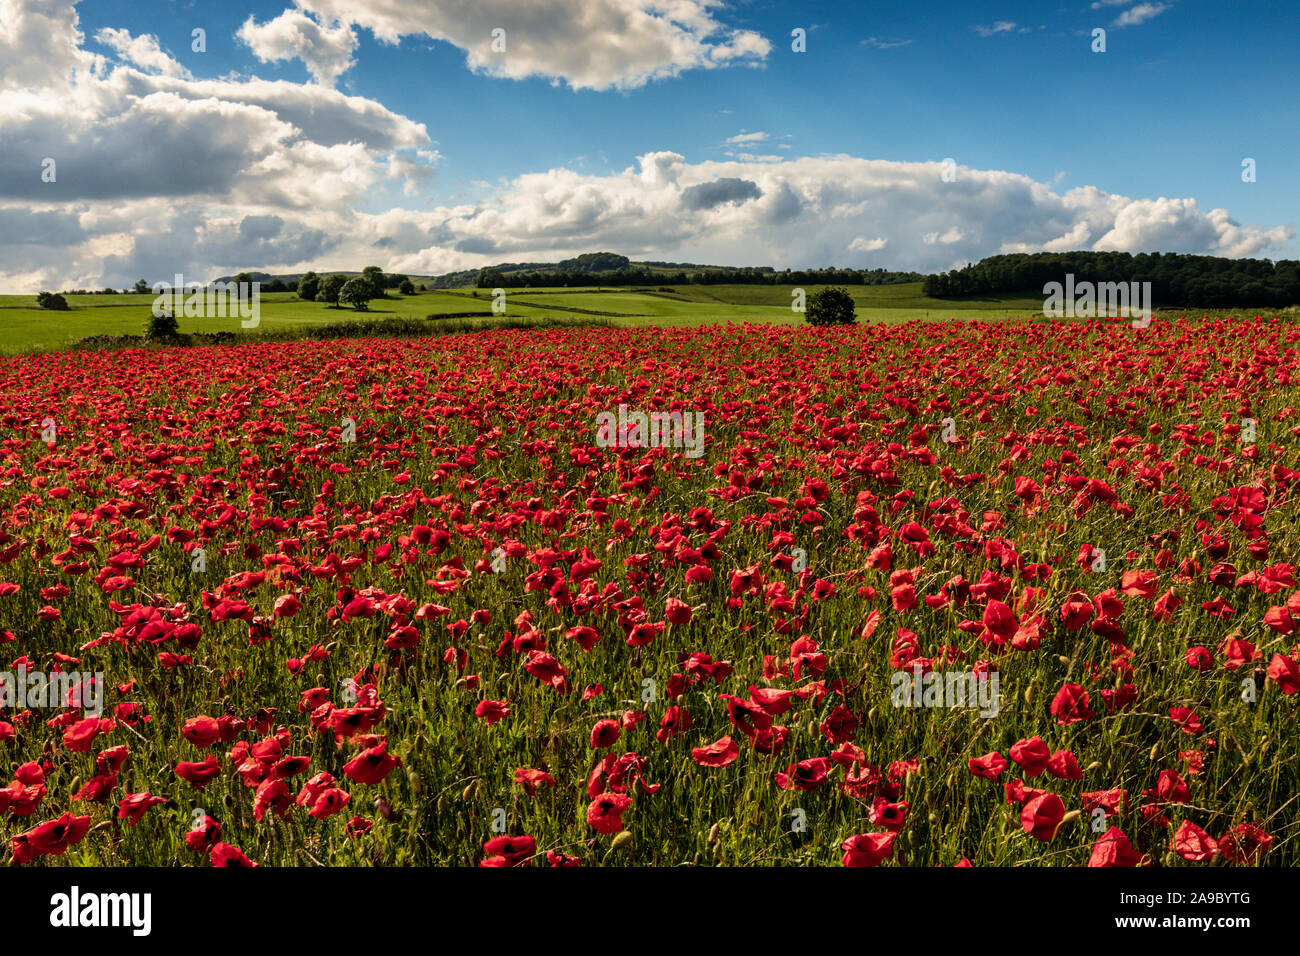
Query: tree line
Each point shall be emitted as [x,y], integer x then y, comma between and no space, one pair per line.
[1177,280]
[494,278]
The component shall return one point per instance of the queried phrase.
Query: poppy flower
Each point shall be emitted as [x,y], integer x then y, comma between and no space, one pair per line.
[372,765]
[717,754]
[867,849]
[223,854]
[605,813]
[990,766]
[1194,844]
[1041,816]
[1113,849]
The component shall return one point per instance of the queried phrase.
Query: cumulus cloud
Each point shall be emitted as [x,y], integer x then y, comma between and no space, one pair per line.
[597,44]
[326,50]
[143,51]
[243,173]
[154,168]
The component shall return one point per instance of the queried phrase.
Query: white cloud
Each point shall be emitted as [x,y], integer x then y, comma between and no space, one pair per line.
[326,50]
[1002,26]
[596,44]
[143,51]
[755,137]
[875,43]
[1140,14]
[248,173]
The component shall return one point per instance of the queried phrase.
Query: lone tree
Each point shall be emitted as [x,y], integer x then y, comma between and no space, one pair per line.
[308,286]
[48,300]
[162,327]
[141,287]
[832,306]
[407,287]
[356,292]
[330,288]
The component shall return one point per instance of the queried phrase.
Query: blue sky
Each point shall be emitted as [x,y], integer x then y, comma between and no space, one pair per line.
[478,156]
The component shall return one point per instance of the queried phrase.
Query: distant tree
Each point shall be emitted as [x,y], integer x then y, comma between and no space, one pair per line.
[55,301]
[276,285]
[308,286]
[407,287]
[375,277]
[356,292]
[489,279]
[108,292]
[424,287]
[141,287]
[244,278]
[832,306]
[162,327]
[330,288]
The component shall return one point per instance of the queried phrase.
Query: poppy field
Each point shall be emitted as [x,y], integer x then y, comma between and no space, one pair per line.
[399,603]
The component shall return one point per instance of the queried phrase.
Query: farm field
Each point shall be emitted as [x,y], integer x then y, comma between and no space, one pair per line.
[402,601]
[26,327]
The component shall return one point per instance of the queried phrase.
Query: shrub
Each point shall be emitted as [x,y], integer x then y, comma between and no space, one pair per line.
[48,300]
[162,326]
[833,306]
[407,287]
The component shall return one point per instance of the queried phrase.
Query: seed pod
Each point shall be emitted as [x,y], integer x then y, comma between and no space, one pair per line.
[933,818]
[468,793]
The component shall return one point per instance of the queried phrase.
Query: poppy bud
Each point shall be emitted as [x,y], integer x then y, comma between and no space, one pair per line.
[1155,752]
[1071,817]
[1063,659]
[468,793]
[623,839]
[713,833]
[1029,695]
[1095,765]
[417,785]
[384,810]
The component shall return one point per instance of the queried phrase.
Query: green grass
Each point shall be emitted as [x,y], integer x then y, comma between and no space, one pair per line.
[25,327]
